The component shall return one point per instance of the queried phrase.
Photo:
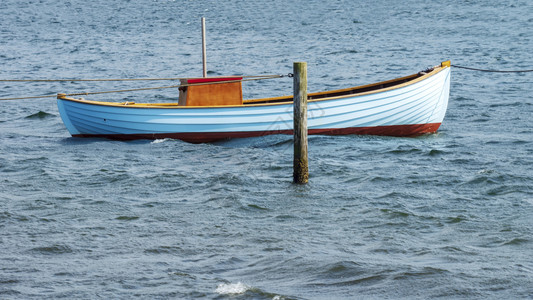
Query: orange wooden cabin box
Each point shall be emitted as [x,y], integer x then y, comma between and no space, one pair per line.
[211,91]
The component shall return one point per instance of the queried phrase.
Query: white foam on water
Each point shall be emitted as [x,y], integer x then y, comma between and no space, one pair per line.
[159,141]
[232,288]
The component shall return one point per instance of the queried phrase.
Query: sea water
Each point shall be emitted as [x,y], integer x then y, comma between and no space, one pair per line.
[446,215]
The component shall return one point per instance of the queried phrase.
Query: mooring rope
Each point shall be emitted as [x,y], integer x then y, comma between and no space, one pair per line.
[493,71]
[126,79]
[96,79]
[248,78]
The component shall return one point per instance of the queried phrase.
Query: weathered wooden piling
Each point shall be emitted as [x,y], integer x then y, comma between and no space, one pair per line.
[301,168]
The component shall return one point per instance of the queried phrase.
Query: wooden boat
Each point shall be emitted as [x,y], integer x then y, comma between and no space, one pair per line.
[211,109]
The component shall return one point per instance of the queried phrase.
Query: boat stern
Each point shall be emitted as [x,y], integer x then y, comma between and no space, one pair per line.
[65,116]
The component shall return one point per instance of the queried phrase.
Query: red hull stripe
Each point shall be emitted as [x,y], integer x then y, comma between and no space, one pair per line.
[206,137]
[215,79]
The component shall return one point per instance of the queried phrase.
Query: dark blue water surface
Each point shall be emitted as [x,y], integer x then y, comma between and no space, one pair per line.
[448,215]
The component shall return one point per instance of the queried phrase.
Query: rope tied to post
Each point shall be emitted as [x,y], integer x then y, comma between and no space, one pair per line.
[492,71]
[129,79]
[244,78]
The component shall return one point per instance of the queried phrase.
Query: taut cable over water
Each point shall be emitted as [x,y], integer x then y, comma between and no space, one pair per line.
[245,78]
[492,71]
[127,79]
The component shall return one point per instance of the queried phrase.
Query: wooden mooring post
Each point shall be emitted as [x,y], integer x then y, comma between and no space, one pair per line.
[301,168]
